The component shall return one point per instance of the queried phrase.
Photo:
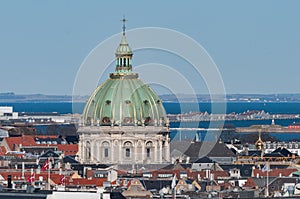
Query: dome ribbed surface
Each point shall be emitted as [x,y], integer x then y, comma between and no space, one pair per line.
[124,101]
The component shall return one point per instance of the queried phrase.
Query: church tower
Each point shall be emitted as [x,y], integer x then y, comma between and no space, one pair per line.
[259,143]
[124,121]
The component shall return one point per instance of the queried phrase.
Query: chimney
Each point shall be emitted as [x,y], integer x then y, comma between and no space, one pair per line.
[9,184]
[207,173]
[199,177]
[212,177]
[23,169]
[187,160]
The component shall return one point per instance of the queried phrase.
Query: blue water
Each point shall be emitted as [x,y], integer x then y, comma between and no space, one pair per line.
[213,135]
[175,108]
[172,108]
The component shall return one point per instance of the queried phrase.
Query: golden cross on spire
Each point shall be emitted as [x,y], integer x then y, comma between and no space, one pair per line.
[124,27]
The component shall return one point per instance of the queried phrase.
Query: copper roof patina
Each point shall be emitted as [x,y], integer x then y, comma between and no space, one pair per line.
[124,99]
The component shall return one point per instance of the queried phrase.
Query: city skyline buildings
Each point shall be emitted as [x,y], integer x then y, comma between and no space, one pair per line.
[254,44]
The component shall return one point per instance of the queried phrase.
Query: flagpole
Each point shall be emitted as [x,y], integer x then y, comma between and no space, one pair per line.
[32,177]
[173,186]
[49,174]
[268,167]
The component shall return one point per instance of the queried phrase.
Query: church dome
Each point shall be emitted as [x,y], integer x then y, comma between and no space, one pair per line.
[123,99]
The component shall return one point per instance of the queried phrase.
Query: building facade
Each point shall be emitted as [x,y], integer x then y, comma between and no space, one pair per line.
[293,146]
[124,121]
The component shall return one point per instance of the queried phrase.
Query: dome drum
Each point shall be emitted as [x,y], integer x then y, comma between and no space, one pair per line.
[127,121]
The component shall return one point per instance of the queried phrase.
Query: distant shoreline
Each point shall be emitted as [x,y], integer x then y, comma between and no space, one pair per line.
[11,97]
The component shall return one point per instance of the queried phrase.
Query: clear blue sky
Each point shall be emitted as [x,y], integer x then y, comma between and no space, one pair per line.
[255,44]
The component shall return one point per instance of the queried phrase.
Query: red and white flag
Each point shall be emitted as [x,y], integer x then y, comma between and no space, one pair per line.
[31,178]
[46,165]
[173,182]
[62,180]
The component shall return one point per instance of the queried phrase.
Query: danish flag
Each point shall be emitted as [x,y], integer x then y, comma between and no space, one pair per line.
[31,178]
[46,165]
[62,180]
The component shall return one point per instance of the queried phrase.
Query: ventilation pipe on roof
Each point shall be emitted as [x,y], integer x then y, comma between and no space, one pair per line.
[212,177]
[207,173]
[187,160]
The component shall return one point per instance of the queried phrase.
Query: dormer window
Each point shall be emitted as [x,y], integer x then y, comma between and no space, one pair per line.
[106,120]
[148,120]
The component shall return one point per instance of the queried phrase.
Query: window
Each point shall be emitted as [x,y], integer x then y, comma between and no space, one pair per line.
[127,152]
[147,175]
[88,150]
[165,175]
[148,152]
[106,152]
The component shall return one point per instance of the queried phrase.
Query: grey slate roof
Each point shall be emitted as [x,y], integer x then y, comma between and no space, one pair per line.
[156,184]
[277,183]
[245,170]
[49,154]
[196,150]
[204,160]
[70,160]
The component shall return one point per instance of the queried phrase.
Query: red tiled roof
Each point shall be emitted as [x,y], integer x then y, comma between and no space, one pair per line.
[45,136]
[68,149]
[24,140]
[225,185]
[86,182]
[2,150]
[156,173]
[55,178]
[28,140]
[17,175]
[250,183]
[217,174]
[275,172]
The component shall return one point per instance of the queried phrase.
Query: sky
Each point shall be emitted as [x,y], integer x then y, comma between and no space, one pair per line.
[255,44]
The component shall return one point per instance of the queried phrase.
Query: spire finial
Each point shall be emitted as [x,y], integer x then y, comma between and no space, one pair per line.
[124,21]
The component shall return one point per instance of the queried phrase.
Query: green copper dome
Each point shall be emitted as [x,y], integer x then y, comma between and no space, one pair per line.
[124,99]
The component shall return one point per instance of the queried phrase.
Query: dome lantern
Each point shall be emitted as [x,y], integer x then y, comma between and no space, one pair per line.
[123,54]
[123,99]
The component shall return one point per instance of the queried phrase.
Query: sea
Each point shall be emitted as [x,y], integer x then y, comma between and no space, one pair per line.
[171,107]
[176,108]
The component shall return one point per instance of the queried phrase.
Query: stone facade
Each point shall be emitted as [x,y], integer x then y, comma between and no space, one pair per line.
[124,145]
